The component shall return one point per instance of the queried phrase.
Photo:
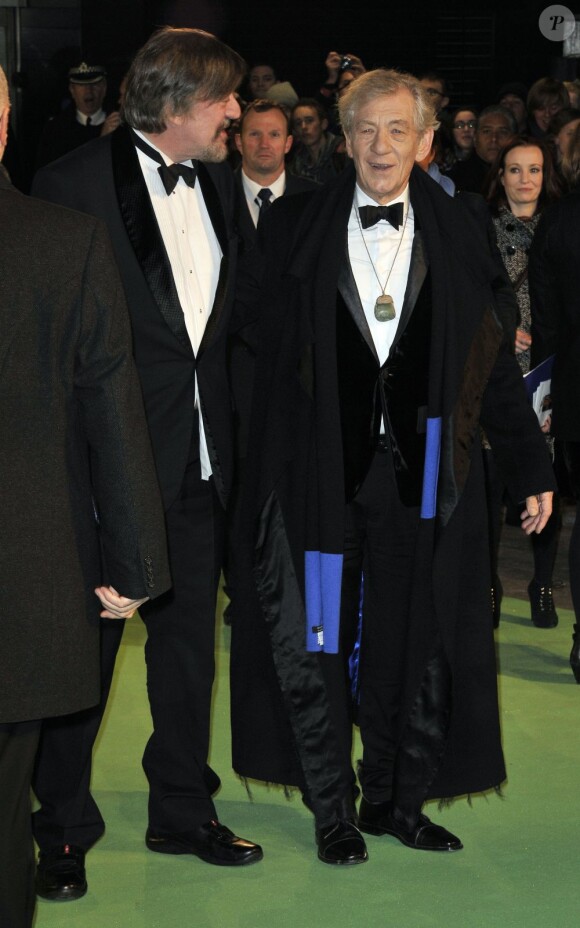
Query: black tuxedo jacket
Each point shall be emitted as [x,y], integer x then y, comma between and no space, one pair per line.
[104,179]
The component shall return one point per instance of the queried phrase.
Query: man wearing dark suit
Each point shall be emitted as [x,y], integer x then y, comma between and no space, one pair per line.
[80,510]
[263,140]
[171,224]
[380,351]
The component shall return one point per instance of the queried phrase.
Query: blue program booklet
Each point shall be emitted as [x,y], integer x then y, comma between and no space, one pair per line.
[538,383]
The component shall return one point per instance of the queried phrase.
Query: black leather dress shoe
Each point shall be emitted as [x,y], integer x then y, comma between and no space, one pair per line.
[60,875]
[341,843]
[376,818]
[211,842]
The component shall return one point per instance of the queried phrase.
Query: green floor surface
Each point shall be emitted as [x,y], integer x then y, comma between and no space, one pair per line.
[519,868]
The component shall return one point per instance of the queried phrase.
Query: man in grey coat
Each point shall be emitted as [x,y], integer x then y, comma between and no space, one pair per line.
[80,509]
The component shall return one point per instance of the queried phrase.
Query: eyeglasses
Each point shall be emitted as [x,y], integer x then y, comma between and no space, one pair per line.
[465,125]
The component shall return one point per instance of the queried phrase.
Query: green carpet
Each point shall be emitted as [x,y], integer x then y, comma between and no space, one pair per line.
[519,868]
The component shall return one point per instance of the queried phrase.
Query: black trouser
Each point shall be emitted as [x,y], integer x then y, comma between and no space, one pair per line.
[380,541]
[18,744]
[180,669]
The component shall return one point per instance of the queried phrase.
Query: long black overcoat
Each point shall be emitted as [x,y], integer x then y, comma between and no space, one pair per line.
[281,729]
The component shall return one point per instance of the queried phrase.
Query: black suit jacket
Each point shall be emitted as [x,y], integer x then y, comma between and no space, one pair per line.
[244,222]
[74,448]
[104,179]
[554,276]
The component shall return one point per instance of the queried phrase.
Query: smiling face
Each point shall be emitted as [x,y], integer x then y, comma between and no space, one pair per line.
[384,145]
[263,142]
[201,132]
[522,178]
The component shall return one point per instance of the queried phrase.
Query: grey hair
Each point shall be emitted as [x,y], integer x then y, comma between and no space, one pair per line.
[497,110]
[383,82]
[174,69]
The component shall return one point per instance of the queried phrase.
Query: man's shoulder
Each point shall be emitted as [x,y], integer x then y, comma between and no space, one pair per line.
[45,231]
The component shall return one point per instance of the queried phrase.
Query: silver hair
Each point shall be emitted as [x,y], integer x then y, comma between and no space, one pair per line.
[384,82]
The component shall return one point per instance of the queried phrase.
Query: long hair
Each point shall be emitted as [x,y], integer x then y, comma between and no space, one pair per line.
[174,69]
[494,191]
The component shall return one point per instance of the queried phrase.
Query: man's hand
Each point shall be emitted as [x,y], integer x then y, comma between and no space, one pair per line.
[112,122]
[117,606]
[537,512]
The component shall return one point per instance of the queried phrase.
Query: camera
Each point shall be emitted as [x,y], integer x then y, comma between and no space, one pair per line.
[345,63]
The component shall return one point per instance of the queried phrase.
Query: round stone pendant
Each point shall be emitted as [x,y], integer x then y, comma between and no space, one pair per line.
[384,308]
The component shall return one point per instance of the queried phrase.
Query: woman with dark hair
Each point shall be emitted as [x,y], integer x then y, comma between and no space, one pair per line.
[546,98]
[462,128]
[521,183]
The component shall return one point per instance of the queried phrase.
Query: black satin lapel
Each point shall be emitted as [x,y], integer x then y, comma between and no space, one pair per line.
[214,206]
[348,290]
[417,274]
[143,232]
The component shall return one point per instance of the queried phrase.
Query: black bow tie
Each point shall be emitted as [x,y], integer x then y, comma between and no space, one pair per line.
[369,215]
[169,173]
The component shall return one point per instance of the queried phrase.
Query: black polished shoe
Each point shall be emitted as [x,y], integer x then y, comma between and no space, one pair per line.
[377,818]
[575,653]
[60,875]
[211,842]
[544,613]
[341,843]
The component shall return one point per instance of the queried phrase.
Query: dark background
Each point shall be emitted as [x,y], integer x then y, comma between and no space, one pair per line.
[477,46]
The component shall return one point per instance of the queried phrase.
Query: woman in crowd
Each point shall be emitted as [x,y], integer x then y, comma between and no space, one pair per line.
[522,182]
[546,98]
[570,163]
[463,124]
[561,130]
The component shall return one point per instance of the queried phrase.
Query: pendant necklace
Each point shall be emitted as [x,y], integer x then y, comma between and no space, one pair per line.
[384,304]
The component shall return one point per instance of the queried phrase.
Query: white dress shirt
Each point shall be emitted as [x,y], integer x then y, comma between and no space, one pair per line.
[194,255]
[97,119]
[252,189]
[390,253]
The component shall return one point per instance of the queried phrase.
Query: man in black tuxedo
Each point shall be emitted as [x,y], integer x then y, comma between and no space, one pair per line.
[80,510]
[159,183]
[380,351]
